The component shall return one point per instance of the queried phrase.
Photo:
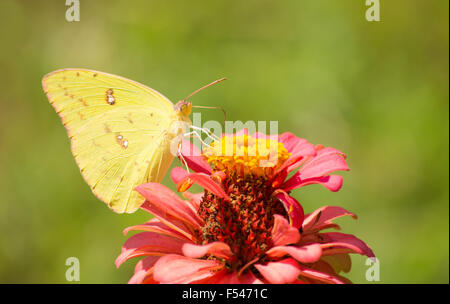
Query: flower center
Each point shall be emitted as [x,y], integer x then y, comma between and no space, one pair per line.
[243,155]
[245,221]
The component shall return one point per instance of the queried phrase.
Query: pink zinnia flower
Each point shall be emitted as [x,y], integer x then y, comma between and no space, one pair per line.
[245,227]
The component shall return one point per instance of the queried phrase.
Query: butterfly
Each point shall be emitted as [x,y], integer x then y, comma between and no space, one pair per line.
[121,131]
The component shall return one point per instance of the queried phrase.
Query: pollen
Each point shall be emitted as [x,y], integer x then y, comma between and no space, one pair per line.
[244,155]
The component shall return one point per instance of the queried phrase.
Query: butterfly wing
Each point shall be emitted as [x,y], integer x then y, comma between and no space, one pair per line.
[118,130]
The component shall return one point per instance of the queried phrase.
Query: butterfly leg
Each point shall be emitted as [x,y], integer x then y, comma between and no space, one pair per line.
[180,156]
[206,131]
[198,136]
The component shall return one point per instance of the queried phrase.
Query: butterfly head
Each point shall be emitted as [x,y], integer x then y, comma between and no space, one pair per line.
[184,107]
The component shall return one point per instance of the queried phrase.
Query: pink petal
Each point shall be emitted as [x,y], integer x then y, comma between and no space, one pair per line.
[337,240]
[184,228]
[218,249]
[331,182]
[293,208]
[305,254]
[299,148]
[249,278]
[321,151]
[221,277]
[163,198]
[324,216]
[322,165]
[155,225]
[177,174]
[317,275]
[193,157]
[194,198]
[138,277]
[280,272]
[143,269]
[178,269]
[204,181]
[293,143]
[283,233]
[149,243]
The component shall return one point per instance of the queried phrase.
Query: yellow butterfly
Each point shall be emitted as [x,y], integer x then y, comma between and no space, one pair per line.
[120,131]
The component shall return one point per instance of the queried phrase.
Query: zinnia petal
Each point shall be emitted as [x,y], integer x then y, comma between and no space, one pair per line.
[304,254]
[193,157]
[283,233]
[165,199]
[280,272]
[217,249]
[149,243]
[322,165]
[293,208]
[204,181]
[331,182]
[322,218]
[177,174]
[155,225]
[318,275]
[178,269]
[143,269]
[337,239]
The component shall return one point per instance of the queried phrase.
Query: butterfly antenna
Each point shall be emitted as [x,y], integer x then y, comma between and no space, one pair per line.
[202,88]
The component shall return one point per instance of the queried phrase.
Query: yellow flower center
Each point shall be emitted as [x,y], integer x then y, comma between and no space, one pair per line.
[243,155]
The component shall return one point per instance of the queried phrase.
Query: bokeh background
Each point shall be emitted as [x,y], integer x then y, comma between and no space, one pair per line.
[375,90]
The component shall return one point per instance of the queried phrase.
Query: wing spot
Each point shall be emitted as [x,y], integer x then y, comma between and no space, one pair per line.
[121,141]
[95,75]
[129,118]
[78,74]
[110,99]
[107,129]
[83,102]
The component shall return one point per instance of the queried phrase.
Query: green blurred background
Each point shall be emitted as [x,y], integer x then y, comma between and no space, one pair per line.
[376,90]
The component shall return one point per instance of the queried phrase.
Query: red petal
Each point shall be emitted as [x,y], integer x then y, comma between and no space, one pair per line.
[293,208]
[206,182]
[337,240]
